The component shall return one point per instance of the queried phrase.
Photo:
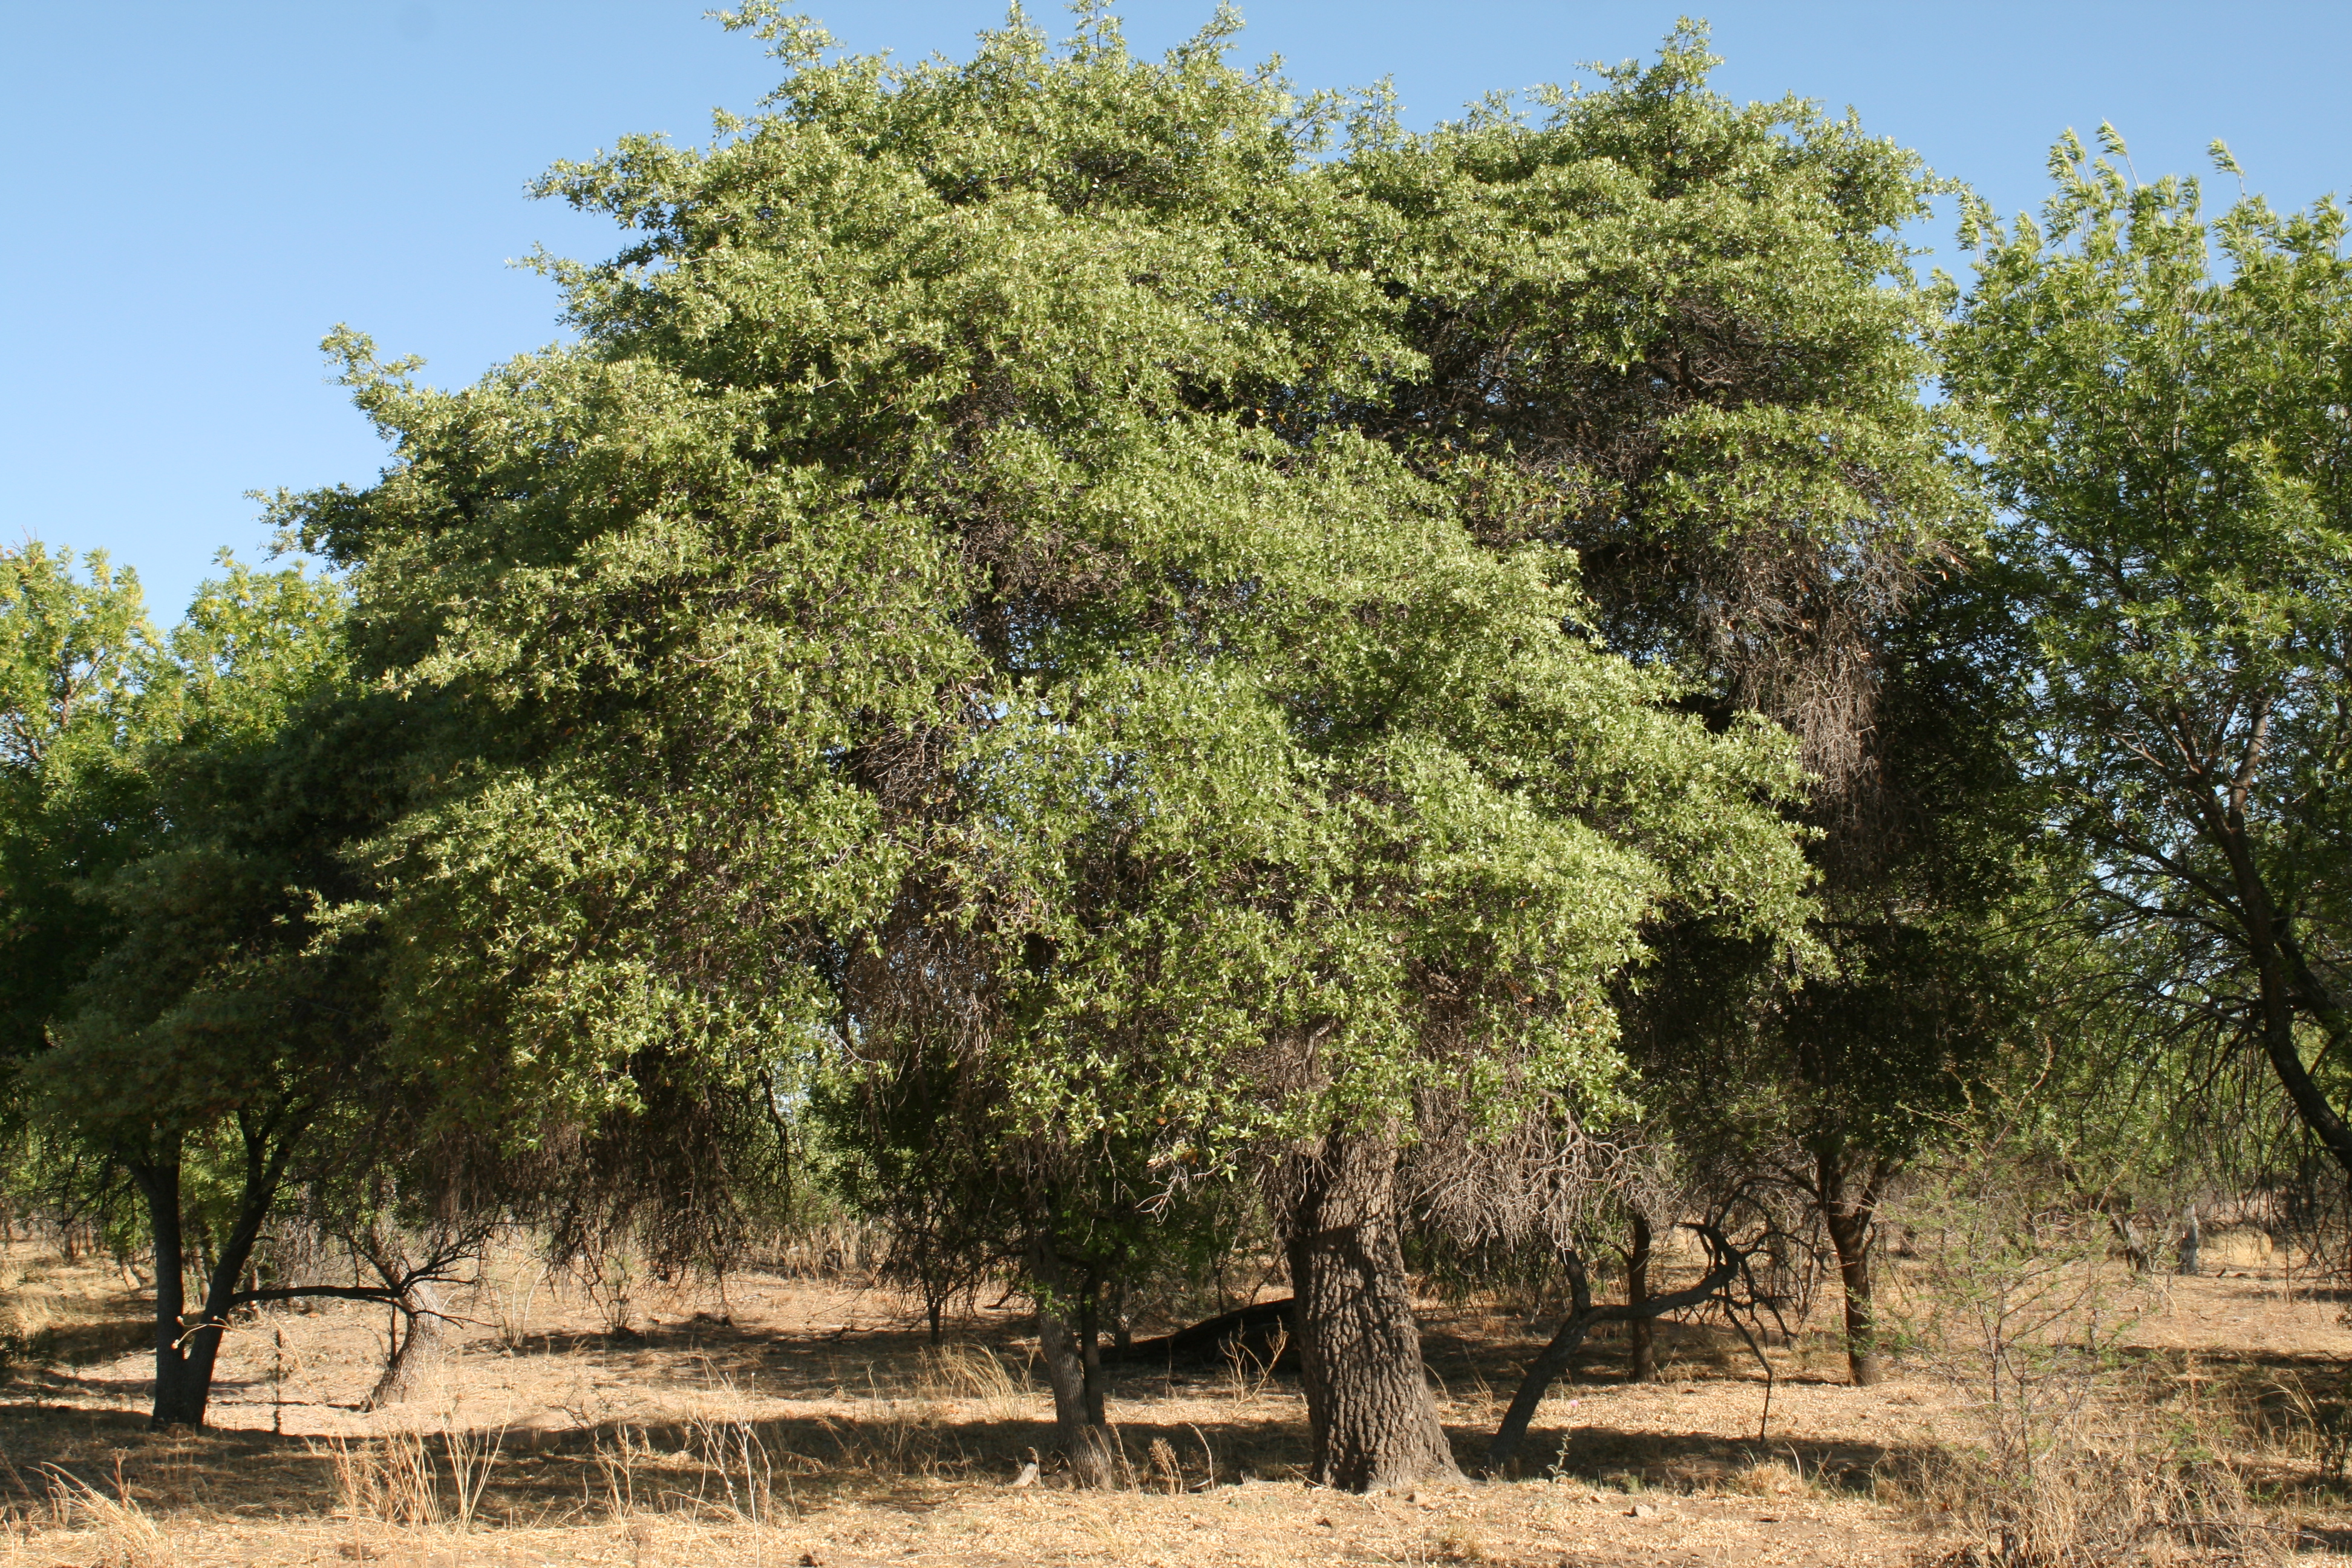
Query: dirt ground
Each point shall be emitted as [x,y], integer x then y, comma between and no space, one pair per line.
[802,1421]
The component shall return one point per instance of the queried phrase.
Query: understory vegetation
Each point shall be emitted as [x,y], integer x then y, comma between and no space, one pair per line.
[1188,744]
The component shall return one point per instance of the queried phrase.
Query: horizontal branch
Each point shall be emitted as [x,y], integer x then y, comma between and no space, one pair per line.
[382,1295]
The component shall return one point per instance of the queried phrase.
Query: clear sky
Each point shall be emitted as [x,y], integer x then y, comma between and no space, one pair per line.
[205,187]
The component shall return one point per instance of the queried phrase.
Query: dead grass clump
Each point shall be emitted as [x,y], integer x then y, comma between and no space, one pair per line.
[507,1288]
[127,1537]
[1770,1479]
[398,1479]
[968,1375]
[1456,1545]
[733,1452]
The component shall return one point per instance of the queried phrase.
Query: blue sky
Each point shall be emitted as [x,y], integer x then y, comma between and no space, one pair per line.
[202,188]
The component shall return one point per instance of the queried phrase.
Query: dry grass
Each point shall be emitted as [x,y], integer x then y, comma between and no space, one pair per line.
[972,1377]
[75,1314]
[413,1479]
[819,1422]
[1773,1479]
[122,1535]
[506,1290]
[2103,1488]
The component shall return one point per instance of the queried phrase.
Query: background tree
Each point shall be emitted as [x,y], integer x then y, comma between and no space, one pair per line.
[1680,337]
[218,1050]
[2170,449]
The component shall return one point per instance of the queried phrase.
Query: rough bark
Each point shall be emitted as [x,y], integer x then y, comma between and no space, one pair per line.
[423,1340]
[1369,1413]
[1847,1213]
[1073,1359]
[1553,1359]
[1641,1351]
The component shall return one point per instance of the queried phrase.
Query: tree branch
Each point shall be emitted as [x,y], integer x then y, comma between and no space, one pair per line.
[1545,1370]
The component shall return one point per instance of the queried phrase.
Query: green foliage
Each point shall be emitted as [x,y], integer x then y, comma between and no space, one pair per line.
[1681,335]
[923,643]
[74,794]
[209,996]
[204,1033]
[2160,398]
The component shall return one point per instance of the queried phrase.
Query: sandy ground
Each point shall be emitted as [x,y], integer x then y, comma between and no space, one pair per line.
[805,1421]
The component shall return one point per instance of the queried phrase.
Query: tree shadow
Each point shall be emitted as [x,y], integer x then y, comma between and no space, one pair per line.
[891,1455]
[1613,1457]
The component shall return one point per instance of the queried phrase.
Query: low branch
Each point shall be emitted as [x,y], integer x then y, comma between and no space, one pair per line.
[382,1295]
[1553,1359]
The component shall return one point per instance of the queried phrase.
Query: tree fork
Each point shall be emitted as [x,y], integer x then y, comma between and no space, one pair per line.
[186,1351]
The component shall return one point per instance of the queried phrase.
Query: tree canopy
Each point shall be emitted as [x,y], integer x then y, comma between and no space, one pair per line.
[1106,657]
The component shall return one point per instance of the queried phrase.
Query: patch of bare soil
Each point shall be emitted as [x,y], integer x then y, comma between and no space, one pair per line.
[807,1421]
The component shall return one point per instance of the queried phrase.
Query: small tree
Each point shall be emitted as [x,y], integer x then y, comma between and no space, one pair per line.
[2169,448]
[219,1048]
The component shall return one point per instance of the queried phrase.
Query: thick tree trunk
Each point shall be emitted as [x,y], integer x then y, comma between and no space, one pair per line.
[1373,1422]
[1642,1357]
[1073,1358]
[1847,1215]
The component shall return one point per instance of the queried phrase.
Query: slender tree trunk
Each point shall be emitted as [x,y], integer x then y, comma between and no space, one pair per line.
[1074,1367]
[1847,1217]
[1373,1422]
[183,1356]
[1552,1361]
[2284,981]
[423,1342]
[1090,1353]
[1642,1359]
[185,1351]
